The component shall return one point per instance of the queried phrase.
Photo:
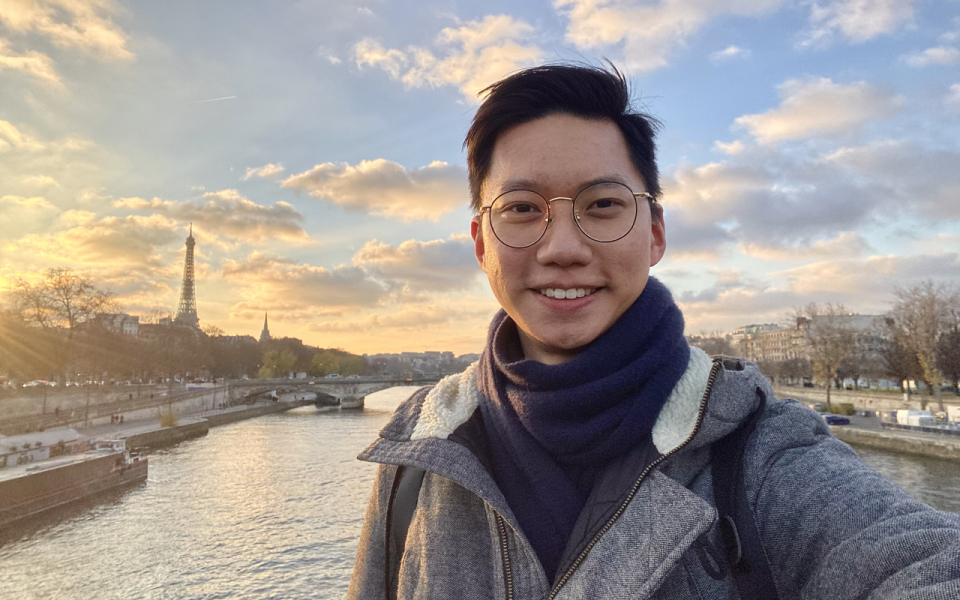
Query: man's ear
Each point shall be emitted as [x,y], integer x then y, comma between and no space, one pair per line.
[658,237]
[476,232]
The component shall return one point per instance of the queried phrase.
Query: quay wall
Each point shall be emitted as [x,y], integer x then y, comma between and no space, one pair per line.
[195,427]
[891,442]
[233,416]
[863,400]
[131,409]
[168,435]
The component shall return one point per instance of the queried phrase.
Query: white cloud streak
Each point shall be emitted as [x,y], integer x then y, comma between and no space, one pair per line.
[729,53]
[941,55]
[84,25]
[267,171]
[227,212]
[470,57]
[856,21]
[650,32]
[385,188]
[816,106]
[32,63]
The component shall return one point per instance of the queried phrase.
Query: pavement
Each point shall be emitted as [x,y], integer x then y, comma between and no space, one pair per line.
[134,426]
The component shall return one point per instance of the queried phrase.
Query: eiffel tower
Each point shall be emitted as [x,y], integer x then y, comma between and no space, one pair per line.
[187,310]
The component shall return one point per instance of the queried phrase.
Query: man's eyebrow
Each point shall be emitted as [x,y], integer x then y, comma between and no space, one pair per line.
[530,184]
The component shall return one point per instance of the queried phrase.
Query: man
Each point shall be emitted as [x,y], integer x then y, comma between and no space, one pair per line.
[576,459]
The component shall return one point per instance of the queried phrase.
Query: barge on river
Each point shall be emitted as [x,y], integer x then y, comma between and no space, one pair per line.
[31,487]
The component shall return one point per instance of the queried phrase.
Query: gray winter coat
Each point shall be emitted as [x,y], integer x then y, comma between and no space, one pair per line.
[831,527]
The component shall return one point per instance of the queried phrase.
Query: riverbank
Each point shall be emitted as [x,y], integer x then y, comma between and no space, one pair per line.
[864,400]
[148,434]
[895,441]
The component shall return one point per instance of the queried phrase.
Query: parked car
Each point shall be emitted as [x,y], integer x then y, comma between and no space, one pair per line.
[836,420]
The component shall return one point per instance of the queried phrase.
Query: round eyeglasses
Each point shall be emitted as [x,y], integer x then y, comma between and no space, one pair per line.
[604,212]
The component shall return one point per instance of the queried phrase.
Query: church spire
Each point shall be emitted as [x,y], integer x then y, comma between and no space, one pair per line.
[265,334]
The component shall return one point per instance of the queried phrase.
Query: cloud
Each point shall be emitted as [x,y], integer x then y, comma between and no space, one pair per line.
[385,188]
[728,53]
[732,148]
[856,20]
[299,290]
[13,140]
[871,275]
[33,202]
[774,204]
[953,96]
[899,173]
[268,171]
[816,106]
[32,63]
[329,55]
[41,181]
[131,241]
[85,25]
[941,55]
[846,243]
[470,57]
[437,265]
[650,32]
[409,324]
[227,212]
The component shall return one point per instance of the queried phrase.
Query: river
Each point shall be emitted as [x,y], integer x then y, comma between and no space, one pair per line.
[265,508]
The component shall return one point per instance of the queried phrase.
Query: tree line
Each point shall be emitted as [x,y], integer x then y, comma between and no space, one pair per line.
[50,330]
[917,339]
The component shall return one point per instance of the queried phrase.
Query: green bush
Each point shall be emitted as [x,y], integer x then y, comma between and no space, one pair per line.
[843,408]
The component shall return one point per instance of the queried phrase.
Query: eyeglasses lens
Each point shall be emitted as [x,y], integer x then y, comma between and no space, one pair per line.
[605,212]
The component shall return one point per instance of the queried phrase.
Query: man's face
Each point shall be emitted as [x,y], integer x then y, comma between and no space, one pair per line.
[555,156]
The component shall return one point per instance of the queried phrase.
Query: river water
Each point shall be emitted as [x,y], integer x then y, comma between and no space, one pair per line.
[265,508]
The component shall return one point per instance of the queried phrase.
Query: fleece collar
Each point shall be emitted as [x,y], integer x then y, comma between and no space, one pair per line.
[452,401]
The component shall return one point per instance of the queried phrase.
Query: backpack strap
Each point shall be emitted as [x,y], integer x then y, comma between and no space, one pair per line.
[738,528]
[403,503]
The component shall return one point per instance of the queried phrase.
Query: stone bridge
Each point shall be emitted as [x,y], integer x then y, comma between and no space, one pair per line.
[342,392]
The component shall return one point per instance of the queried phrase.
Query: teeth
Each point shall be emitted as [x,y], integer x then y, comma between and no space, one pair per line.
[567,294]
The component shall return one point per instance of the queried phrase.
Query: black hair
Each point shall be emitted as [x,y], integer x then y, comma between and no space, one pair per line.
[580,90]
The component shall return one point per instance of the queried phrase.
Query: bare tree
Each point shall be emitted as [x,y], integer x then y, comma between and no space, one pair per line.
[948,355]
[154,315]
[831,339]
[920,315]
[714,343]
[61,300]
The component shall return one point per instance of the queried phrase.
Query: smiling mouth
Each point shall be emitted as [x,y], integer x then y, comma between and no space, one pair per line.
[569,294]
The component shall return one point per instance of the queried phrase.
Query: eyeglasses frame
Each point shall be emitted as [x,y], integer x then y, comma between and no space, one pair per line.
[576,217]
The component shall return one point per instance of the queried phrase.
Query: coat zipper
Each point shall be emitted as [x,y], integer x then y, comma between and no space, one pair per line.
[636,486]
[507,569]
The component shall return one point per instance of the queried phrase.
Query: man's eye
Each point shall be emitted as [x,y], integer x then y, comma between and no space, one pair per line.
[606,204]
[520,208]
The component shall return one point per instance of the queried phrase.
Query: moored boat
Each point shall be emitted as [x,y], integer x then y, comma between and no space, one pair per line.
[32,488]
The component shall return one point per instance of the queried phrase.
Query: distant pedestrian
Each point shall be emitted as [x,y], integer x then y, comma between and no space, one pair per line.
[121,419]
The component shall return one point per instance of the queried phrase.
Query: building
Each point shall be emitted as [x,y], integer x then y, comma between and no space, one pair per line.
[119,323]
[775,343]
[235,339]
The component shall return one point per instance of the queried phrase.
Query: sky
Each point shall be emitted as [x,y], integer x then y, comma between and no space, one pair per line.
[810,152]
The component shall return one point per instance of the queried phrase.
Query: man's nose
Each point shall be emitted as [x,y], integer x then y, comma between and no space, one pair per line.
[563,243]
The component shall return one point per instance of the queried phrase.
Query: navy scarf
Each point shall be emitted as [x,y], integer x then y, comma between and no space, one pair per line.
[552,428]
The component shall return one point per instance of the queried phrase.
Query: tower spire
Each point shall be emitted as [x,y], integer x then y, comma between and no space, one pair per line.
[265,334]
[187,309]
